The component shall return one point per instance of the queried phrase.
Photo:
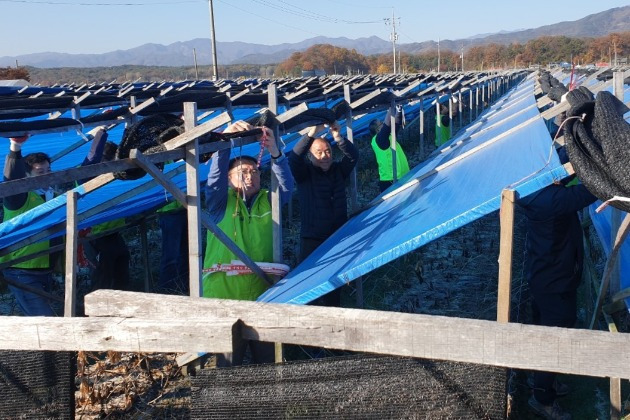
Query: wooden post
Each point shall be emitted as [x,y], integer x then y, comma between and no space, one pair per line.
[421,126]
[476,101]
[508,197]
[615,383]
[392,140]
[615,277]
[276,204]
[72,238]
[460,107]
[350,136]
[450,116]
[470,105]
[438,117]
[144,245]
[193,198]
[615,218]
[354,202]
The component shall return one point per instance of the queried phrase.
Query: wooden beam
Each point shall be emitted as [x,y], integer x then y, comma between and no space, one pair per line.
[508,198]
[117,334]
[293,112]
[532,347]
[193,200]
[622,233]
[366,98]
[72,236]
[59,177]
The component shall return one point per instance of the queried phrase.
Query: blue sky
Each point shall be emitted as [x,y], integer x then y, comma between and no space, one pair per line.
[97,26]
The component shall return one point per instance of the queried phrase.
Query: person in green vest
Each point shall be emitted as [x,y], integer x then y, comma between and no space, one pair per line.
[35,273]
[442,126]
[242,210]
[381,144]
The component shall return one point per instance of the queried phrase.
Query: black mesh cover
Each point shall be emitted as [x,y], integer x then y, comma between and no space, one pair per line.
[37,384]
[355,387]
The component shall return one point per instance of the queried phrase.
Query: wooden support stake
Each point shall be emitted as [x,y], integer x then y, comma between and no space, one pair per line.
[508,198]
[276,204]
[72,237]
[622,233]
[392,139]
[421,127]
[354,200]
[350,136]
[193,200]
[615,383]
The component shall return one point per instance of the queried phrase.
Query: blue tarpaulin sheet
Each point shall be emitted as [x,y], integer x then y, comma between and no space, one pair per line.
[457,185]
[54,211]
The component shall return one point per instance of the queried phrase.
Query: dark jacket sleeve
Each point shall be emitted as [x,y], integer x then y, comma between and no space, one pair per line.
[350,156]
[95,155]
[297,158]
[382,137]
[280,167]
[217,188]
[557,200]
[14,168]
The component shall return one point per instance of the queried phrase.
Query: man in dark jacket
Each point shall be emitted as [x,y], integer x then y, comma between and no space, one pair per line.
[553,267]
[321,187]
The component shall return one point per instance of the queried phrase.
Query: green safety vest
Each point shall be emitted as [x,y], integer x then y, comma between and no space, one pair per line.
[170,207]
[32,200]
[105,226]
[442,133]
[251,231]
[384,161]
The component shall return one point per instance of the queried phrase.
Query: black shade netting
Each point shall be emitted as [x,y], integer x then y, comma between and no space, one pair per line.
[355,387]
[37,384]
[598,143]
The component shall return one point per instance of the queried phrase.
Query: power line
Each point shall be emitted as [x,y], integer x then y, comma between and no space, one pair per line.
[270,20]
[100,3]
[324,17]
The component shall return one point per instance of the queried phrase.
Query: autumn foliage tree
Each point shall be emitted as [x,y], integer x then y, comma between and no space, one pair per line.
[331,59]
[11,73]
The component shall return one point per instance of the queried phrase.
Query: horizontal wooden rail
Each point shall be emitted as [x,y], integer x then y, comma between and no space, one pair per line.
[118,334]
[572,351]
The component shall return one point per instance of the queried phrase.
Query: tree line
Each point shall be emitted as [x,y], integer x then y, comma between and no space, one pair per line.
[337,60]
[541,51]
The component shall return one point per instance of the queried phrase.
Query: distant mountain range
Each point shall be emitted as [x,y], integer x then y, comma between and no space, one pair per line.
[181,53]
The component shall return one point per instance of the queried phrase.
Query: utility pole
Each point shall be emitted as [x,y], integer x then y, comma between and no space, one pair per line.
[196,68]
[215,73]
[462,57]
[393,36]
[615,50]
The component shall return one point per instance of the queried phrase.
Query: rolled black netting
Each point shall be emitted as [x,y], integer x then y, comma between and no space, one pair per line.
[37,384]
[359,387]
[556,92]
[144,135]
[598,144]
